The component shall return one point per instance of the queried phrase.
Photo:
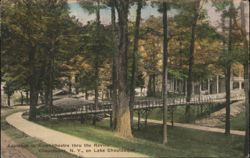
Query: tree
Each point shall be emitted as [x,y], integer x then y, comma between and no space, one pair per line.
[228,72]
[86,78]
[140,81]
[8,90]
[150,51]
[191,56]
[94,6]
[32,35]
[114,65]
[134,59]
[165,71]
[123,126]
[40,36]
[231,48]
[58,25]
[246,76]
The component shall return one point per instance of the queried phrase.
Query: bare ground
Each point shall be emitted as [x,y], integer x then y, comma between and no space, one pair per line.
[218,118]
[10,149]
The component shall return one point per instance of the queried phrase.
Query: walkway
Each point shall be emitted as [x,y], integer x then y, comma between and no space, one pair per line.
[202,128]
[66,142]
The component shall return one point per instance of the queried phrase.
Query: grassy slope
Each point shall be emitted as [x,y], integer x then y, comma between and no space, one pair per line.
[179,114]
[238,122]
[22,138]
[182,142]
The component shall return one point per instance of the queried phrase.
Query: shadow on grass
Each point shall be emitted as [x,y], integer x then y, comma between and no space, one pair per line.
[182,142]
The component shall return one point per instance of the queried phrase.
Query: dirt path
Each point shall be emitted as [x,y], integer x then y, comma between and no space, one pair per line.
[202,128]
[68,143]
[10,149]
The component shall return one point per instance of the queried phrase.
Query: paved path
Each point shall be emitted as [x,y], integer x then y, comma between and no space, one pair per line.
[64,141]
[202,128]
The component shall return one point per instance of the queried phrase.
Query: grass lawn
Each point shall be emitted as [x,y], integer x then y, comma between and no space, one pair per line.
[25,140]
[182,142]
[239,122]
[179,114]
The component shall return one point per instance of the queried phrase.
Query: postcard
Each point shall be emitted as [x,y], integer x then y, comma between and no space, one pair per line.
[124,78]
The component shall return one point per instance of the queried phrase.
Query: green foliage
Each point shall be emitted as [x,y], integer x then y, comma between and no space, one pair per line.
[86,80]
[98,50]
[201,72]
[97,41]
[91,5]
[140,80]
[176,73]
[33,28]
[221,4]
[206,31]
[9,89]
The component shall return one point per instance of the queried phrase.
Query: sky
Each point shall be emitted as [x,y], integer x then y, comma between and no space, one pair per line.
[147,11]
[84,16]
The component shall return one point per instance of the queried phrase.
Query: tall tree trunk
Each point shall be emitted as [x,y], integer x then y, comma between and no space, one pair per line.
[46,95]
[191,59]
[97,81]
[86,94]
[76,82]
[246,79]
[228,75]
[27,97]
[50,80]
[70,84]
[21,98]
[32,83]
[47,82]
[123,126]
[97,54]
[153,85]
[134,64]
[165,71]
[41,97]
[247,111]
[200,88]
[184,87]
[227,79]
[114,68]
[51,100]
[149,91]
[8,99]
[33,98]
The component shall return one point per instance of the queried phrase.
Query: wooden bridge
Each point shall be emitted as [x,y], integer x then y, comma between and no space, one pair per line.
[104,109]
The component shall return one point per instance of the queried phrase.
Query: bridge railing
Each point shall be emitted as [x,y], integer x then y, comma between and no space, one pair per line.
[90,108]
[151,103]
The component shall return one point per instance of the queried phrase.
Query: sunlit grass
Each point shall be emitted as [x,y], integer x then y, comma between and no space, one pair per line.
[182,142]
